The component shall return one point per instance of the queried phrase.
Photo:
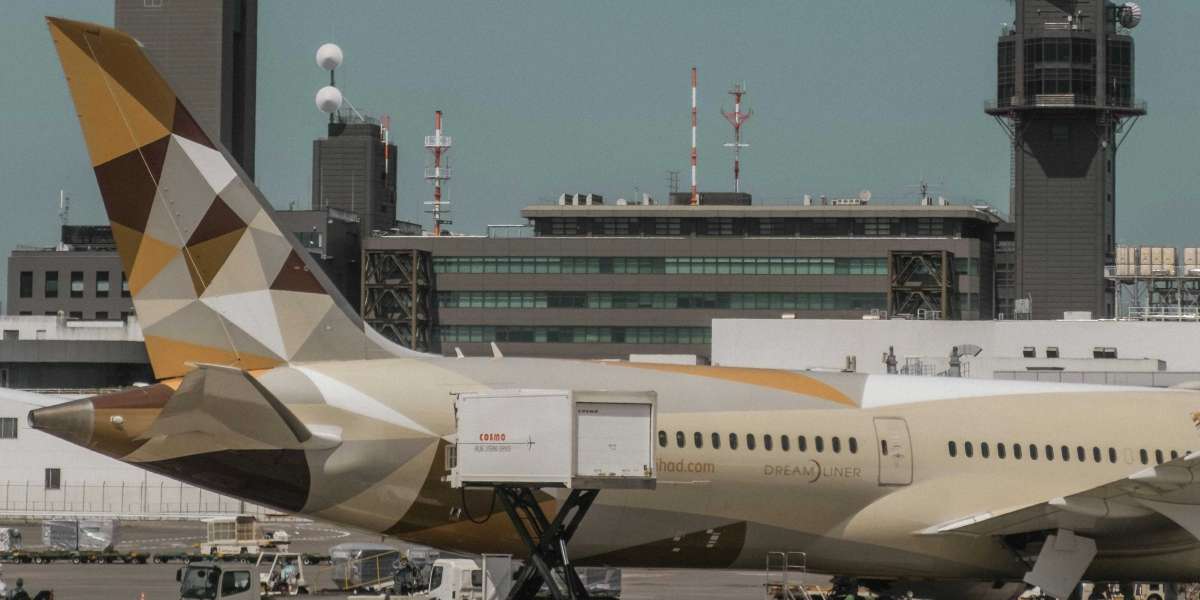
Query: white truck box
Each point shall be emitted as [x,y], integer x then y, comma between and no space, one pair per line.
[555,438]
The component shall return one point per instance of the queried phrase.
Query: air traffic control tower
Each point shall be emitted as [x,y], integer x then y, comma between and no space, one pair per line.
[1064,94]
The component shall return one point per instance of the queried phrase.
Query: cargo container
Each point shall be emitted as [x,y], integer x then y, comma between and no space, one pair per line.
[558,438]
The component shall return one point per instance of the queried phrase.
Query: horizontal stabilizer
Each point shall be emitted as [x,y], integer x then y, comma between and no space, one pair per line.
[229,403]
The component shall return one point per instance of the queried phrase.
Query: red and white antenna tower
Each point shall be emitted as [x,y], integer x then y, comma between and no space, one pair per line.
[439,172]
[737,118]
[695,194]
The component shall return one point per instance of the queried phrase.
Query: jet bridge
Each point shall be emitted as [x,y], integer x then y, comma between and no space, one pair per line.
[518,442]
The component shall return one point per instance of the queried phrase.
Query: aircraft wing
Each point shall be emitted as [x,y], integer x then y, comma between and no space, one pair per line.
[1156,498]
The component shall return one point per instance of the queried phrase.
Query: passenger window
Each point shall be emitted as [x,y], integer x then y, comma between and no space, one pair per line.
[1158,456]
[968,449]
[662,439]
[716,440]
[679,438]
[1080,454]
[1049,452]
[733,441]
[952,448]
[784,443]
[1016,452]
[698,439]
[1033,452]
[749,441]
[983,449]
[801,443]
[1112,455]
[767,441]
[836,442]
[1066,453]
[853,446]
[1174,455]
[1001,452]
[1096,454]
[1144,456]
[819,443]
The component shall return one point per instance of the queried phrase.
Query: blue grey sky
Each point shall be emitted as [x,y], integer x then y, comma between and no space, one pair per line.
[544,97]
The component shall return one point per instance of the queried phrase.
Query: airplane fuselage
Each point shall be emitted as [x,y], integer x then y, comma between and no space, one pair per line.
[798,463]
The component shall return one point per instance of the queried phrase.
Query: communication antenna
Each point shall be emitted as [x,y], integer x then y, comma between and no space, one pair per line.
[329,98]
[439,172]
[673,181]
[695,201]
[737,118]
[64,208]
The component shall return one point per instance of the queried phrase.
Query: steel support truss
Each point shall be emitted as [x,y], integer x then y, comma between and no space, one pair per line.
[398,297]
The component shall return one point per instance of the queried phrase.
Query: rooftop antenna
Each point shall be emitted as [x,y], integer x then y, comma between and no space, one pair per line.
[439,173]
[385,133]
[673,181]
[695,200]
[330,98]
[737,118]
[64,208]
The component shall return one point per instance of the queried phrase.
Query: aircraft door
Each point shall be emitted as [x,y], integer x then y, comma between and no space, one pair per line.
[894,449]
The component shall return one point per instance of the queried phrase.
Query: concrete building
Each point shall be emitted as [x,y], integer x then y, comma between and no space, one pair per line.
[53,353]
[354,170]
[208,52]
[81,277]
[1084,351]
[44,476]
[1063,93]
[333,238]
[608,281]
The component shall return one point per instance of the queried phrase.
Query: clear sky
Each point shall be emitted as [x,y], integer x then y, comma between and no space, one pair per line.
[544,97]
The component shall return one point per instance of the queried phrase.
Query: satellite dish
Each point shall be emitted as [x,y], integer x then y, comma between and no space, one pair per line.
[329,56]
[329,99]
[865,196]
[1130,14]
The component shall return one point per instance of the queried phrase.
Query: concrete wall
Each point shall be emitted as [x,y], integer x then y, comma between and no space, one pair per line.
[809,343]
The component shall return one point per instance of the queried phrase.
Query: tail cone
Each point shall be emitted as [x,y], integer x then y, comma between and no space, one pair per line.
[72,421]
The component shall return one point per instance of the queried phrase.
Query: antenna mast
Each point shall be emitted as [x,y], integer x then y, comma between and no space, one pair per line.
[438,145]
[695,195]
[737,118]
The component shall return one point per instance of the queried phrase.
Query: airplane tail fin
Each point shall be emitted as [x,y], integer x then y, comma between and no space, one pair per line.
[214,279]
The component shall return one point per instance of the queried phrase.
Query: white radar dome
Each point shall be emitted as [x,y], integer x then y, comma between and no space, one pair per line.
[329,56]
[329,99]
[1130,14]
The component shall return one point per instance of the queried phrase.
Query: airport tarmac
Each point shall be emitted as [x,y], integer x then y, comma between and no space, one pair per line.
[157,582]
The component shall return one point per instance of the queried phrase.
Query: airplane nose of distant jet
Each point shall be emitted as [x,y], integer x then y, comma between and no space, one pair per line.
[72,421]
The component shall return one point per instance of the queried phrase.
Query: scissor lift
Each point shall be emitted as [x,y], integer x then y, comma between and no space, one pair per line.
[518,442]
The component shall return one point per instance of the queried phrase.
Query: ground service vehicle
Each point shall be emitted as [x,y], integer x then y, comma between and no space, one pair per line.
[207,580]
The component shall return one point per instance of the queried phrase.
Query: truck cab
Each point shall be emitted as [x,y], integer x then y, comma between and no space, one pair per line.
[207,580]
[455,579]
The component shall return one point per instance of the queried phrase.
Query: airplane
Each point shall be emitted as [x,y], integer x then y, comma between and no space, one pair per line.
[271,389]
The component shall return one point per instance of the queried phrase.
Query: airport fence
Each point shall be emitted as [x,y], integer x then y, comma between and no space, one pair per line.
[152,500]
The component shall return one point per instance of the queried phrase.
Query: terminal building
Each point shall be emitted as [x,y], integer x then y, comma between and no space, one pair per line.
[1092,351]
[607,281]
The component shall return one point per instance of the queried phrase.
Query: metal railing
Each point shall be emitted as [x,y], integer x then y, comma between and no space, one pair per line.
[119,498]
[1062,101]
